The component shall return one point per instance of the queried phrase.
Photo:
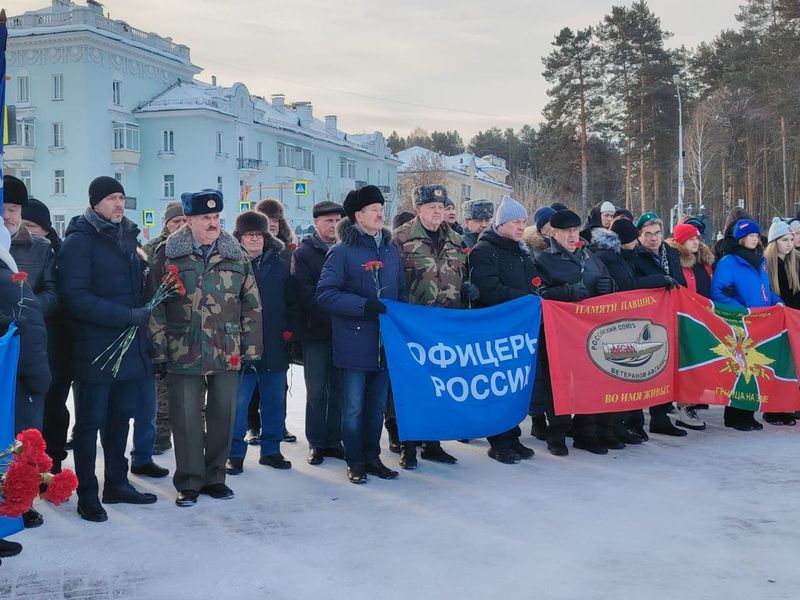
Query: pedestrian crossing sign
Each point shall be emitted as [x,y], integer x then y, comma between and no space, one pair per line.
[300,187]
[244,205]
[148,218]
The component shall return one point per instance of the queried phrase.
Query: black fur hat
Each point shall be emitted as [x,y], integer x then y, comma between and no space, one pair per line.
[271,207]
[369,194]
[250,220]
[564,219]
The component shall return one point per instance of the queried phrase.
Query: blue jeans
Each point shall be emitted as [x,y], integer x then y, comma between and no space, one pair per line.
[323,396]
[144,426]
[363,404]
[271,386]
[105,408]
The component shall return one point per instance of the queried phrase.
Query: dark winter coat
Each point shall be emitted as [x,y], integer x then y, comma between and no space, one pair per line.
[593,222]
[470,238]
[739,282]
[307,261]
[35,256]
[279,309]
[646,263]
[33,371]
[101,277]
[608,249]
[344,288]
[790,298]
[501,268]
[561,270]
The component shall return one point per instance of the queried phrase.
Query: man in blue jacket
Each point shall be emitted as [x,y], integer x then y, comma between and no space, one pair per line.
[363,268]
[102,285]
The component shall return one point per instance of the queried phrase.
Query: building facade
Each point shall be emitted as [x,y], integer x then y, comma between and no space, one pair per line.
[466,176]
[96,96]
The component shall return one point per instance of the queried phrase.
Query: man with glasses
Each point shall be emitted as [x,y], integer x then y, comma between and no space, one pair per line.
[652,256]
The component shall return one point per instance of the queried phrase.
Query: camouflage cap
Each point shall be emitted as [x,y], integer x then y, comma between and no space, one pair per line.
[478,209]
[425,194]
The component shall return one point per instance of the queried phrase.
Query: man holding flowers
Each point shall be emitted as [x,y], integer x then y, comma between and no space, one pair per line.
[201,337]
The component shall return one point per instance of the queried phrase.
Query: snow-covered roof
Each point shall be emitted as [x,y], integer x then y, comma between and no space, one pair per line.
[194,95]
[455,164]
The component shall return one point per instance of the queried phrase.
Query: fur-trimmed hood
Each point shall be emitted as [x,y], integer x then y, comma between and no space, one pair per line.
[347,234]
[605,239]
[180,244]
[533,240]
[704,255]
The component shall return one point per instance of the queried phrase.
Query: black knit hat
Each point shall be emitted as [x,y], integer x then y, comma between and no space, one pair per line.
[625,230]
[250,220]
[36,212]
[326,207]
[103,186]
[14,191]
[271,207]
[558,206]
[624,213]
[564,219]
[355,201]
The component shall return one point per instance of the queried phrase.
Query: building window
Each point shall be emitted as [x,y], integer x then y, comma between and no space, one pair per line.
[241,147]
[58,86]
[23,89]
[347,168]
[116,92]
[466,191]
[260,150]
[118,176]
[25,133]
[219,184]
[25,177]
[59,183]
[126,136]
[58,135]
[169,186]
[219,143]
[308,160]
[168,141]
[59,224]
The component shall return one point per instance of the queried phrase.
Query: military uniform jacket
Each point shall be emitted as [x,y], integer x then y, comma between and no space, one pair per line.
[433,275]
[217,324]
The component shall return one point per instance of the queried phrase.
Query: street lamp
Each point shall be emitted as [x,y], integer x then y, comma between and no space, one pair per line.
[677,80]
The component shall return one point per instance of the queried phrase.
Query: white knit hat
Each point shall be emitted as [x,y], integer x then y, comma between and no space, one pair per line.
[778,229]
[607,207]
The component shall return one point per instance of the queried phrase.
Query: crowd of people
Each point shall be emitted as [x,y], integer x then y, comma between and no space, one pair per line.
[206,369]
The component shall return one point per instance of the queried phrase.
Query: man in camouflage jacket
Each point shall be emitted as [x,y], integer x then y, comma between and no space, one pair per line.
[436,274]
[202,339]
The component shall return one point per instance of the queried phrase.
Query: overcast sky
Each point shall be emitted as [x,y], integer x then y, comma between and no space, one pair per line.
[465,64]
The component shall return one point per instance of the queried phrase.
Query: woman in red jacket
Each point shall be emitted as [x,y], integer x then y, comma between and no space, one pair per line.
[696,261]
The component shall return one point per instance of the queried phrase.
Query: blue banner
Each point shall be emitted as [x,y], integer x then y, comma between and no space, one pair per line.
[461,373]
[9,356]
[3,41]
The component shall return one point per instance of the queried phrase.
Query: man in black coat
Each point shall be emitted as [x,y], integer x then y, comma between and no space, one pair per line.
[571,273]
[33,254]
[323,392]
[502,270]
[102,284]
[653,257]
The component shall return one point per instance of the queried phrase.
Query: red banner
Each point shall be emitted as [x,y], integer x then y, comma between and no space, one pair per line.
[611,353]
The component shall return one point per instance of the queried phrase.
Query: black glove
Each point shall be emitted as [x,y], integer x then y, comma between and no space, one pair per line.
[669,282]
[373,308]
[604,286]
[249,366]
[729,291]
[578,292]
[160,369]
[470,291]
[139,316]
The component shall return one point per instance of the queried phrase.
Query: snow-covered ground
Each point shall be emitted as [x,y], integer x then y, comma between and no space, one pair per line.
[712,515]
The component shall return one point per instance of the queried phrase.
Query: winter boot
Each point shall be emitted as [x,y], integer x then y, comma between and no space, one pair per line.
[539,427]
[687,417]
[433,451]
[408,456]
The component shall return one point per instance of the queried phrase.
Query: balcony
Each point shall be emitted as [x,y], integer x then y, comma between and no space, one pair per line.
[251,164]
[285,173]
[19,154]
[166,154]
[125,158]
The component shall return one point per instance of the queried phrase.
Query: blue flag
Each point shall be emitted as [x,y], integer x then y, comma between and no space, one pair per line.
[3,41]
[461,373]
[9,356]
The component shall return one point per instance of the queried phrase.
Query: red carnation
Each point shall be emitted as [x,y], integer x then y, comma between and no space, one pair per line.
[536,281]
[60,487]
[467,251]
[235,361]
[20,488]
[181,290]
[292,246]
[33,446]
[173,269]
[19,277]
[373,265]
[287,336]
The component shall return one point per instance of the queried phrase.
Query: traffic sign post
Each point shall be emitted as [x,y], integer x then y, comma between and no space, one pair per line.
[148,218]
[244,205]
[300,187]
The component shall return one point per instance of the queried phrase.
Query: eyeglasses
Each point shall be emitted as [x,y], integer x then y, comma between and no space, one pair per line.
[253,234]
[652,234]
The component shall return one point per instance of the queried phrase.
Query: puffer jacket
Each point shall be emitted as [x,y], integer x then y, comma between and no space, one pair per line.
[217,324]
[35,256]
[345,286]
[501,268]
[739,282]
[562,272]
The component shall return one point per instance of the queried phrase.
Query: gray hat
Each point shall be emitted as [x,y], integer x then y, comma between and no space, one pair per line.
[778,229]
[478,209]
[172,210]
[509,210]
[425,194]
